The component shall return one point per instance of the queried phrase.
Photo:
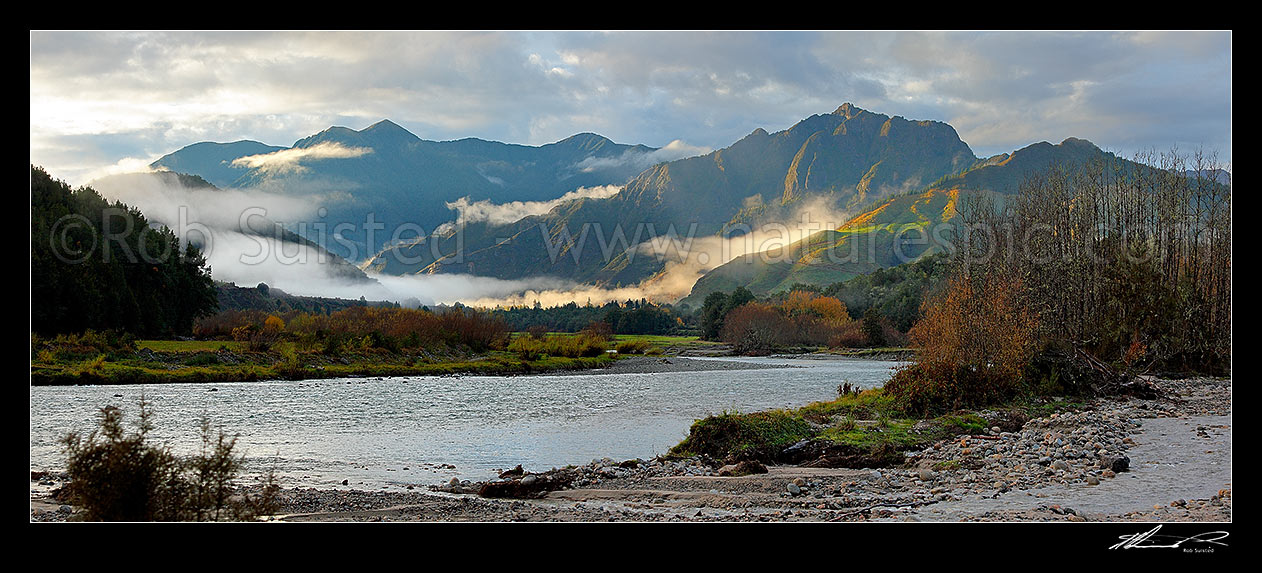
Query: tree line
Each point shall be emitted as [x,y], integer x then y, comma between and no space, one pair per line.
[1101,265]
[629,317]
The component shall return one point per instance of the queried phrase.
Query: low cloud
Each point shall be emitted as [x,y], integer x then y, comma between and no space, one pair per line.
[505,213]
[686,259]
[290,160]
[236,231]
[163,199]
[466,289]
[640,160]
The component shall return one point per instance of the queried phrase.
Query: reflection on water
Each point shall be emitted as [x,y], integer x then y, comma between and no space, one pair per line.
[391,432]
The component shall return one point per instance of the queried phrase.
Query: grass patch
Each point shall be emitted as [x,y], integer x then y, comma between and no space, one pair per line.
[897,433]
[965,423]
[632,347]
[190,345]
[284,363]
[758,435]
[866,405]
[1042,408]
[867,429]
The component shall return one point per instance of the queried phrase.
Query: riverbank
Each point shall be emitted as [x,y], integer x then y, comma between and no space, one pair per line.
[1177,449]
[156,369]
[235,364]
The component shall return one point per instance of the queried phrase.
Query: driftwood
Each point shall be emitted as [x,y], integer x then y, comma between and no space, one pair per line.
[529,485]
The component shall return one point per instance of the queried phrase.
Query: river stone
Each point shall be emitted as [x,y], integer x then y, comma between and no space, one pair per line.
[1117,464]
[927,474]
[794,489]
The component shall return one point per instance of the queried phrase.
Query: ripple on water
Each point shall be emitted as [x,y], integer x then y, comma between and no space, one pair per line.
[313,430]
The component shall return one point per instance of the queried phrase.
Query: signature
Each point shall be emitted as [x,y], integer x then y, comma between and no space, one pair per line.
[1150,540]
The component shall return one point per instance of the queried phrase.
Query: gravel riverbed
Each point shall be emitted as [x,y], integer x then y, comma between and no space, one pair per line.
[1123,459]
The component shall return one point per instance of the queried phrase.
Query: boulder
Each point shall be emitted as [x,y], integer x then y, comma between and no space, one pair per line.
[1117,464]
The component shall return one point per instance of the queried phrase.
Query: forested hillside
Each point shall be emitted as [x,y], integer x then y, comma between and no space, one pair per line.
[100,265]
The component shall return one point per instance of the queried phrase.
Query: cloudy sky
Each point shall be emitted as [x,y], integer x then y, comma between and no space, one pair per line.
[114,101]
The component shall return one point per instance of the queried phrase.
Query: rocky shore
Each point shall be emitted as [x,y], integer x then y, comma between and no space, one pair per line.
[1115,459]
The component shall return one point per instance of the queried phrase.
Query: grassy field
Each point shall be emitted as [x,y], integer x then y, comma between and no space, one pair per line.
[666,340]
[190,345]
[658,343]
[164,361]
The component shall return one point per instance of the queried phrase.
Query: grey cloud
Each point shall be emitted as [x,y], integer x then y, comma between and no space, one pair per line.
[999,89]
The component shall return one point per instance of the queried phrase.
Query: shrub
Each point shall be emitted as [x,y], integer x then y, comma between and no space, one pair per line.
[756,328]
[115,476]
[580,345]
[975,341]
[526,348]
[873,327]
[632,347]
[849,335]
[598,329]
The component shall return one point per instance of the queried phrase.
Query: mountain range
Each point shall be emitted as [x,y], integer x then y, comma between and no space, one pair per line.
[882,189]
[397,178]
[843,161]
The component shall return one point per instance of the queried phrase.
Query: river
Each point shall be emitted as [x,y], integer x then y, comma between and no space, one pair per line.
[388,433]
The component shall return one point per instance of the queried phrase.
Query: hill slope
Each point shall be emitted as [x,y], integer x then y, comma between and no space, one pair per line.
[901,229]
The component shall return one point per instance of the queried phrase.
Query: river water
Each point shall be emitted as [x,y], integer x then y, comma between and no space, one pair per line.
[387,433]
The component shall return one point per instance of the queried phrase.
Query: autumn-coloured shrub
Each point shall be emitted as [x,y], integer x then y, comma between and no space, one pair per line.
[974,340]
[800,318]
[849,335]
[756,328]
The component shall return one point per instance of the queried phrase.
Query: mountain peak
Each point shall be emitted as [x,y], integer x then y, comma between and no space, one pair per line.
[585,141]
[848,110]
[1074,141]
[584,137]
[387,127]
